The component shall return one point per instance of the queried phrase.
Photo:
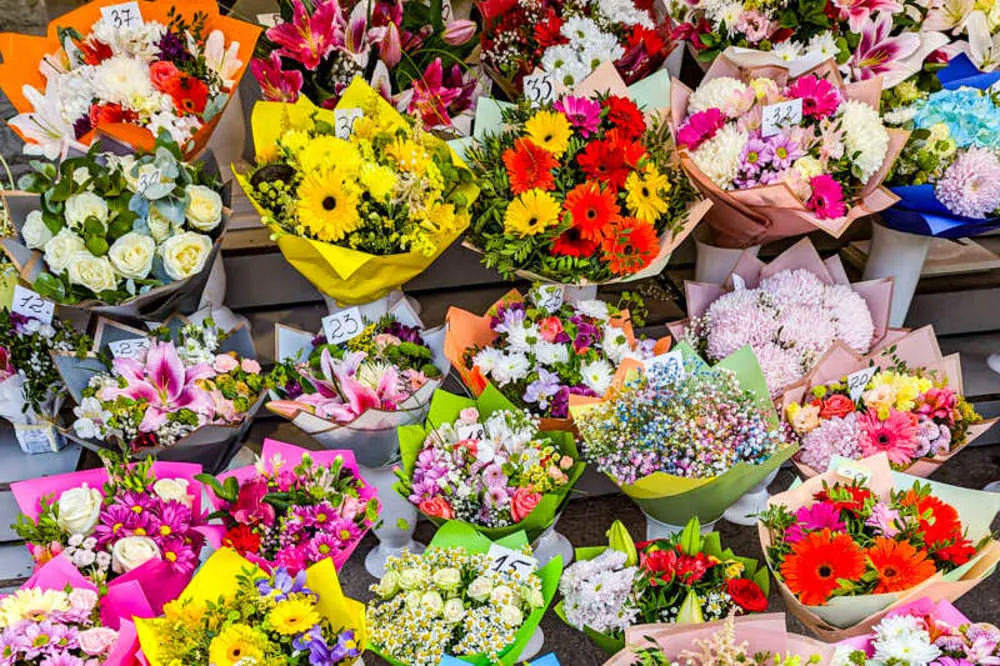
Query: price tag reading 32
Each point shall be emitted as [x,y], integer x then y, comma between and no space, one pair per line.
[342,326]
[508,560]
[539,89]
[344,121]
[782,114]
[125,15]
[31,305]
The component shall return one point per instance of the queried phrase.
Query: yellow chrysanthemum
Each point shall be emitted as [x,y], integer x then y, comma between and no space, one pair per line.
[408,155]
[293,616]
[294,141]
[905,388]
[327,207]
[643,194]
[378,180]
[531,212]
[185,612]
[236,642]
[327,152]
[549,130]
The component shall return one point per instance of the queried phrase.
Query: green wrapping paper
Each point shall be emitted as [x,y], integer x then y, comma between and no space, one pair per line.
[457,534]
[445,408]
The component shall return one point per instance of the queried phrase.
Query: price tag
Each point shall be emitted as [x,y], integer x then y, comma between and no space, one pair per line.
[38,439]
[342,326]
[269,20]
[471,431]
[506,560]
[739,284]
[550,296]
[344,121]
[782,114]
[672,358]
[147,179]
[857,381]
[31,305]
[854,472]
[129,348]
[125,15]
[539,89]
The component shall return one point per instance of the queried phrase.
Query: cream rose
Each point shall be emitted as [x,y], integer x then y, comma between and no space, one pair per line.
[59,250]
[448,578]
[388,585]
[411,579]
[480,588]
[34,231]
[204,209]
[132,552]
[533,597]
[94,273]
[81,207]
[185,254]
[432,603]
[159,226]
[511,616]
[173,490]
[78,509]
[132,255]
[97,641]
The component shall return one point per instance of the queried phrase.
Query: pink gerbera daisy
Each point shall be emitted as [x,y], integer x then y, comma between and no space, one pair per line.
[814,518]
[827,199]
[345,531]
[583,114]
[896,436]
[819,97]
[700,127]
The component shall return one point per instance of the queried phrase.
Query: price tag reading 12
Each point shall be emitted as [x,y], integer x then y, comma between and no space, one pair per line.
[342,326]
[508,560]
[125,15]
[344,121]
[782,114]
[31,305]
[539,89]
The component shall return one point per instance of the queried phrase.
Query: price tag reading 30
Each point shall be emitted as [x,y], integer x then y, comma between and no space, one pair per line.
[129,348]
[782,114]
[539,89]
[124,15]
[31,305]
[342,326]
[344,121]
[508,560]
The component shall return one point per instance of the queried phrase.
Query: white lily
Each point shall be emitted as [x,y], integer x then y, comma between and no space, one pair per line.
[945,15]
[983,48]
[45,129]
[221,60]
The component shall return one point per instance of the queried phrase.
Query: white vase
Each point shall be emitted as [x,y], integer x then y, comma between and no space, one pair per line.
[714,264]
[577,294]
[657,530]
[533,647]
[900,256]
[992,487]
[746,508]
[399,520]
[551,543]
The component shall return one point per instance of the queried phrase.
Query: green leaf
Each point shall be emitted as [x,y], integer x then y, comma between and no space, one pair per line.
[97,245]
[690,540]
[50,287]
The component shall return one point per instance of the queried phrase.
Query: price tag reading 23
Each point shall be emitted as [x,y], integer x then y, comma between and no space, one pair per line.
[342,326]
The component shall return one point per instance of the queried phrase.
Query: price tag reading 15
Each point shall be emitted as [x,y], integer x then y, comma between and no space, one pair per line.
[124,15]
[342,326]
[508,560]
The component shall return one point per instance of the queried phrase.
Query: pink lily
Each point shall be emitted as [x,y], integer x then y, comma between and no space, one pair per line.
[390,49]
[164,383]
[856,12]
[946,15]
[356,37]
[438,95]
[308,39]
[340,379]
[879,54]
[276,84]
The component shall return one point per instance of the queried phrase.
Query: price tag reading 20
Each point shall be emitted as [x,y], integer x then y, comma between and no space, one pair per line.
[124,15]
[343,326]
[539,89]
[513,561]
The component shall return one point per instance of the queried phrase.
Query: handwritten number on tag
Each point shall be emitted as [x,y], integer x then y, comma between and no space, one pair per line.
[782,114]
[513,561]
[344,121]
[672,358]
[31,305]
[342,326]
[471,431]
[269,20]
[550,297]
[125,15]
[857,381]
[539,89]
[129,348]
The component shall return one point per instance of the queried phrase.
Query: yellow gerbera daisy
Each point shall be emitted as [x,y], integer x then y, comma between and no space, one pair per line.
[378,180]
[326,152]
[643,194]
[409,155]
[531,212]
[236,642]
[293,616]
[327,208]
[549,130]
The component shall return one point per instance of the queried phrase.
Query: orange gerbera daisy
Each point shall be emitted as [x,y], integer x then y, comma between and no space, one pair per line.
[529,167]
[632,245]
[816,562]
[938,520]
[591,210]
[571,244]
[900,566]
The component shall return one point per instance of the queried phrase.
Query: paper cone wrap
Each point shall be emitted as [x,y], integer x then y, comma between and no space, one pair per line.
[942,611]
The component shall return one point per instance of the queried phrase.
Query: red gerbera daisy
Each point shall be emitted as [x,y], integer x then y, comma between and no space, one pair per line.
[626,116]
[610,160]
[190,95]
[547,32]
[938,520]
[529,166]
[817,562]
[631,246]
[591,210]
[571,244]
[845,498]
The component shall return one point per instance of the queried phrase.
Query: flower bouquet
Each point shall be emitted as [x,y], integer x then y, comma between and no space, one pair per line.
[134,530]
[466,596]
[685,579]
[860,540]
[294,508]
[567,41]
[130,235]
[582,191]
[56,618]
[904,399]
[185,391]
[335,198]
[416,55]
[486,463]
[539,351]
[948,177]
[31,390]
[923,632]
[126,72]
[781,156]
[757,640]
[235,613]
[683,438]
[789,311]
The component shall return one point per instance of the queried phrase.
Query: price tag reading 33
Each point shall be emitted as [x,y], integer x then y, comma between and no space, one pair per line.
[124,15]
[342,326]
[539,89]
[782,114]
[513,561]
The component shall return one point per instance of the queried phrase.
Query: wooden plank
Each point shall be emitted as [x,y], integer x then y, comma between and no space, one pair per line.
[8,515]
[15,465]
[16,565]
[956,311]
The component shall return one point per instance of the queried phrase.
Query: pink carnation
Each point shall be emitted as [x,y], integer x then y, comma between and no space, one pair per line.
[971,185]
[700,127]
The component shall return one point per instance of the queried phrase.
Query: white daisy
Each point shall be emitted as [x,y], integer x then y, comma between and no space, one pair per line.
[550,353]
[597,375]
[592,308]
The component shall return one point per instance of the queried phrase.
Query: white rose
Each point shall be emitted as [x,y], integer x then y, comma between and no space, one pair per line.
[78,509]
[448,578]
[185,254]
[94,273]
[533,597]
[411,579]
[34,231]
[502,594]
[173,490]
[388,585]
[132,552]
[204,209]
[159,226]
[511,616]
[80,207]
[480,588]
[132,255]
[454,611]
[432,603]
[59,250]
[412,600]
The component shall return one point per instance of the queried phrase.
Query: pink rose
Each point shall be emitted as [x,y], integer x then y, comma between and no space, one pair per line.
[522,503]
[82,601]
[469,415]
[550,328]
[224,363]
[351,507]
[97,641]
[250,366]
[437,507]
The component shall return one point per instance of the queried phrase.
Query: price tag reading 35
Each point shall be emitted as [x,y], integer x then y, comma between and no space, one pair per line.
[344,121]
[539,89]
[508,560]
[129,348]
[782,114]
[342,326]
[125,15]
[31,305]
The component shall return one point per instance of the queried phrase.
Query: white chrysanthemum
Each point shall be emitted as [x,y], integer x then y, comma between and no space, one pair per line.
[488,359]
[865,137]
[511,368]
[624,12]
[915,648]
[722,12]
[896,627]
[523,337]
[139,40]
[787,51]
[180,128]
[597,375]
[824,44]
[716,94]
[122,81]
[76,93]
[719,157]
[615,344]
[550,353]
[592,308]
[563,64]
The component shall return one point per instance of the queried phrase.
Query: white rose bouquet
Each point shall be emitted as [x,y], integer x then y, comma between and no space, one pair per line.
[143,519]
[113,230]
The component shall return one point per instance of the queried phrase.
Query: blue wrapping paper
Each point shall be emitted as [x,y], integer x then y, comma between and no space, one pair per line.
[961,72]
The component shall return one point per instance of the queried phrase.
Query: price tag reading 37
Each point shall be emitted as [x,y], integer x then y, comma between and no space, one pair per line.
[343,326]
[124,15]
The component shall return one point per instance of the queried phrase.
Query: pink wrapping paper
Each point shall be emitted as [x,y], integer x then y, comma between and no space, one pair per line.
[941,610]
[292,455]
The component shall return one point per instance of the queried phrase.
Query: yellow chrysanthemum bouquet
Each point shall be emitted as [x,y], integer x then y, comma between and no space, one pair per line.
[359,199]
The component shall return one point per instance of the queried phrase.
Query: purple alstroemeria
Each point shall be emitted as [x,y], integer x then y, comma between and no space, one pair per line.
[276,84]
[164,383]
[308,39]
[543,388]
[508,314]
[879,53]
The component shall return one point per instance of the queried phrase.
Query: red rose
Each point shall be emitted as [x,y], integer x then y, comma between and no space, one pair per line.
[102,114]
[242,539]
[747,595]
[522,503]
[836,406]
[437,507]
[163,74]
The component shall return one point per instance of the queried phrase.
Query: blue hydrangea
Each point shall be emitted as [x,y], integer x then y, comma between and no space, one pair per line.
[971,116]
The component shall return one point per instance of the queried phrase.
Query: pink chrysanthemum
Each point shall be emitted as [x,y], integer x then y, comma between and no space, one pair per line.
[833,437]
[896,436]
[971,185]
[807,329]
[794,286]
[827,199]
[781,367]
[738,319]
[851,316]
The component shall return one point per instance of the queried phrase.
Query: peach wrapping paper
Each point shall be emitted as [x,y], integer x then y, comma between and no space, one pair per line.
[918,349]
[846,617]
[743,218]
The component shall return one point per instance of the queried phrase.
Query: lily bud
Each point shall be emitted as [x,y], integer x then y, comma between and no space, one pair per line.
[390,51]
[459,32]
